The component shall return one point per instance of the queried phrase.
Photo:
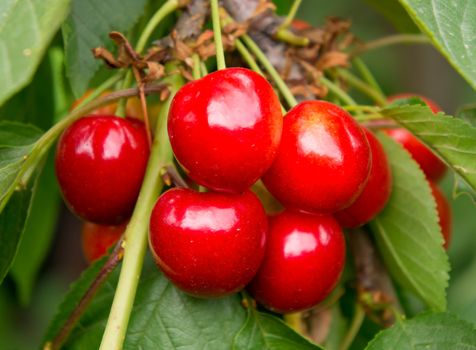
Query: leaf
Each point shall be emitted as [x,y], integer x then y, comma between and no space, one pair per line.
[26,29]
[162,317]
[12,223]
[16,141]
[427,331]
[39,231]
[407,231]
[451,138]
[451,26]
[265,332]
[395,13]
[87,27]
[467,113]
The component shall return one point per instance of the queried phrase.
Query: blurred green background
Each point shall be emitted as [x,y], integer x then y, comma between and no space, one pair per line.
[404,68]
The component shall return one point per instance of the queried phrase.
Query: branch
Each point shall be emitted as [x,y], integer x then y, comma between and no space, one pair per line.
[374,286]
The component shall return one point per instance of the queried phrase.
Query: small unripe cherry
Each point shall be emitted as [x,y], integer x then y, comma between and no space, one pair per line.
[444,214]
[376,192]
[323,161]
[433,167]
[304,258]
[208,244]
[97,239]
[100,164]
[225,128]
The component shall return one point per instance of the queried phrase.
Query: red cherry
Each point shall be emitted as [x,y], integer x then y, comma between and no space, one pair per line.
[444,213]
[97,239]
[376,192]
[225,128]
[100,164]
[431,165]
[323,161]
[208,244]
[305,255]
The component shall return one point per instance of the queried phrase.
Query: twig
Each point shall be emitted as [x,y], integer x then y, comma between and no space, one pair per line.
[391,40]
[170,176]
[112,261]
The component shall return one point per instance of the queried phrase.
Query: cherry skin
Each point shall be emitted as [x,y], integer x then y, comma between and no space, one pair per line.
[323,161]
[208,244]
[444,214]
[97,239]
[225,128]
[376,192]
[304,258]
[100,164]
[432,166]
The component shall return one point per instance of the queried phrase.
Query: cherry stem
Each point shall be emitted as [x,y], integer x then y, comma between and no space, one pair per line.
[391,40]
[100,89]
[167,8]
[336,90]
[220,54]
[291,14]
[283,88]
[356,323]
[110,264]
[135,236]
[172,176]
[355,82]
[289,37]
[203,68]
[366,74]
[294,320]
[196,66]
[248,57]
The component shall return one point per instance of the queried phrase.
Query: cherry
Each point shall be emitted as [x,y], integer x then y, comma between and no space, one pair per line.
[323,161]
[100,164]
[376,192]
[97,239]
[304,259]
[431,165]
[225,128]
[208,244]
[444,213]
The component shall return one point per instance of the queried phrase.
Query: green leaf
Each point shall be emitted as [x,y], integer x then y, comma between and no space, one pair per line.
[26,29]
[265,332]
[451,138]
[427,331]
[451,26]
[395,13]
[87,27]
[407,231]
[162,317]
[39,232]
[16,141]
[12,223]
[467,113]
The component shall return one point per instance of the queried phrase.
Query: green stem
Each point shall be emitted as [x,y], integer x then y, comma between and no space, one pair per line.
[289,37]
[366,74]
[248,57]
[357,320]
[136,234]
[391,40]
[355,82]
[203,69]
[196,66]
[294,320]
[217,35]
[283,88]
[100,89]
[336,90]
[291,14]
[166,9]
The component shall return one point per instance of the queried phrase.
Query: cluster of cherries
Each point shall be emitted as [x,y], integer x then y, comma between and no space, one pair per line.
[227,131]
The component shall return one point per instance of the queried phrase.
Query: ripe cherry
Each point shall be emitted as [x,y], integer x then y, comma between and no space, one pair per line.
[225,128]
[304,258]
[100,164]
[323,160]
[444,214]
[431,165]
[208,244]
[97,239]
[376,192]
